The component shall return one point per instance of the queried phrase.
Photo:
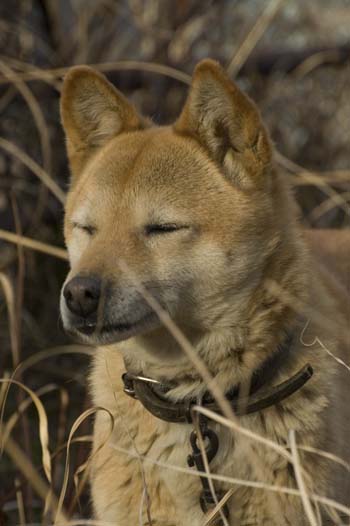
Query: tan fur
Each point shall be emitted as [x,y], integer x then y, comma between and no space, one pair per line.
[212,172]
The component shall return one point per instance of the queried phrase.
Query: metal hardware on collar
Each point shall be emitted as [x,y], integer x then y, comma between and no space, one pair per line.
[128,380]
[128,385]
[156,404]
[206,498]
[144,379]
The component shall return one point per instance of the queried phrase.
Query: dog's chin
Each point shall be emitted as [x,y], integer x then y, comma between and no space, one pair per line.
[110,333]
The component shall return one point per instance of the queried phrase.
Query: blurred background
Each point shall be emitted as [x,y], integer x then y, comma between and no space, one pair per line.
[291,56]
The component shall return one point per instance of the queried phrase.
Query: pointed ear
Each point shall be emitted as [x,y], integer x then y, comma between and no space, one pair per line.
[227,123]
[93,111]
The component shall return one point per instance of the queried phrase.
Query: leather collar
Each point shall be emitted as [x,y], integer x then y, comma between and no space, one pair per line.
[261,394]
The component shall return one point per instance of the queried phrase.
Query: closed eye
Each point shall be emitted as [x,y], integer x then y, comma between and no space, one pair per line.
[89,229]
[163,228]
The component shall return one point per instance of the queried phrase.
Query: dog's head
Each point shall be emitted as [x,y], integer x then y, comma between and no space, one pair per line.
[187,212]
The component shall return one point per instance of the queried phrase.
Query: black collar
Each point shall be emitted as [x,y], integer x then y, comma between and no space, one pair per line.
[151,392]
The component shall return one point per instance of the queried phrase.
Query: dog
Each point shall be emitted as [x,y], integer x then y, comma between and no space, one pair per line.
[193,225]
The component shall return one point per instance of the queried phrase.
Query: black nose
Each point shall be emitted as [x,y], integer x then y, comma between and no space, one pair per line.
[82,295]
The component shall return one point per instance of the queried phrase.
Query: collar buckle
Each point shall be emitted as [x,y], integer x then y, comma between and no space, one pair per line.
[128,385]
[128,381]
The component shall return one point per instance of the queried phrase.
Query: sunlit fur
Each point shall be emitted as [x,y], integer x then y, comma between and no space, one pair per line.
[212,171]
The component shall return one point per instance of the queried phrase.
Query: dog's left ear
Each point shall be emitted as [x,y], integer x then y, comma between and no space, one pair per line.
[227,123]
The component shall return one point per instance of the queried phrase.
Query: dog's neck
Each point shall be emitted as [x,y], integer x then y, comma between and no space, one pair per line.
[237,347]
[230,356]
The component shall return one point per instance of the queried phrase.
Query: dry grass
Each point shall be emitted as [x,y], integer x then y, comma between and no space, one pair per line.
[49,479]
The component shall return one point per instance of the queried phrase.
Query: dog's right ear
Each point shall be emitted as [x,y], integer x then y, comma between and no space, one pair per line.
[93,111]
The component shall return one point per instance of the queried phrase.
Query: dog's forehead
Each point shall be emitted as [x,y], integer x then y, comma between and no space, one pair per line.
[148,165]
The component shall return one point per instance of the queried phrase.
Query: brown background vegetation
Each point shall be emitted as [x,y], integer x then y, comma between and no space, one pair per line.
[292,57]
